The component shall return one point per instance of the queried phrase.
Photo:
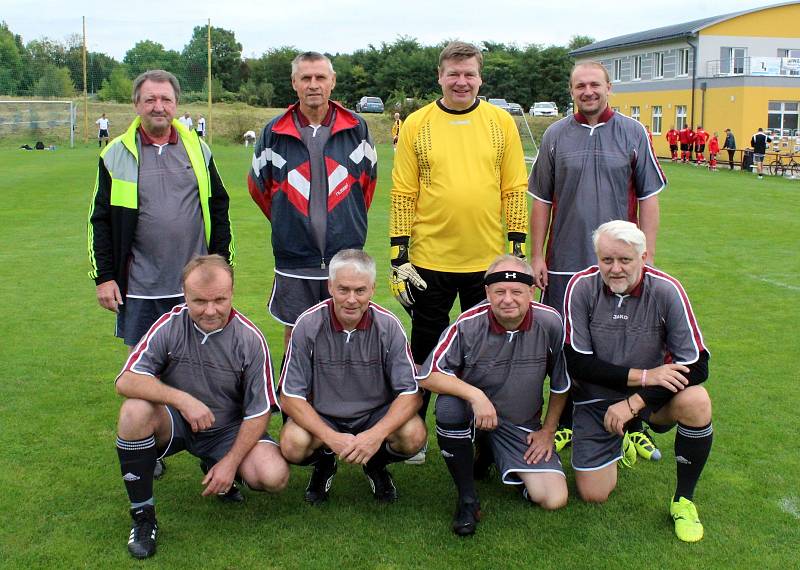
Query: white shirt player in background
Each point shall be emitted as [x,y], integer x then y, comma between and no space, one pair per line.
[249,138]
[201,126]
[187,121]
[102,130]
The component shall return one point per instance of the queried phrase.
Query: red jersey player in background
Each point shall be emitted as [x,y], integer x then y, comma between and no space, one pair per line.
[700,139]
[713,150]
[686,136]
[672,140]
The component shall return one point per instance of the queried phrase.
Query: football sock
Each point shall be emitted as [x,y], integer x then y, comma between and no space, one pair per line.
[634,425]
[137,461]
[322,453]
[692,447]
[455,443]
[383,457]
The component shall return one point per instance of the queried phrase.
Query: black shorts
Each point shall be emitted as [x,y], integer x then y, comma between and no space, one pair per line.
[699,148]
[594,448]
[210,445]
[673,147]
[103,134]
[292,295]
[356,425]
[686,147]
[430,314]
[136,316]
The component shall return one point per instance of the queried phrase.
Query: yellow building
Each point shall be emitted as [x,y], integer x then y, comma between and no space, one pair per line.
[739,71]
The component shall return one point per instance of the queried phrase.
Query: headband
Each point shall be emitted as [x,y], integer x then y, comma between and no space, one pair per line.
[517,276]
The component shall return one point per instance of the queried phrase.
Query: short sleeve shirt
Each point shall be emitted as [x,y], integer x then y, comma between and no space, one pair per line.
[508,366]
[591,175]
[169,228]
[348,374]
[229,370]
[652,325]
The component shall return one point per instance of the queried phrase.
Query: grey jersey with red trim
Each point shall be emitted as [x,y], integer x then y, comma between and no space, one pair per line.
[508,366]
[591,175]
[652,325]
[229,370]
[347,374]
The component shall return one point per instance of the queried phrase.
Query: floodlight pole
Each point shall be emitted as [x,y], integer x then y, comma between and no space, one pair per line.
[85,97]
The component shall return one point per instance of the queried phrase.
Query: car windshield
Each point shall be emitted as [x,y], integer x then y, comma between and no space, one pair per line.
[373,100]
[544,106]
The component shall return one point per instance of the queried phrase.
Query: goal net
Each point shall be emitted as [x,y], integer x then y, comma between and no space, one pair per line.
[26,122]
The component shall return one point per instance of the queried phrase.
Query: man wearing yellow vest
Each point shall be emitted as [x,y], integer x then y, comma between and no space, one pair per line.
[158,202]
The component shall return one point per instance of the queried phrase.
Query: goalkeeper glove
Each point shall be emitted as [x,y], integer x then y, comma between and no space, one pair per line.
[403,276]
[516,244]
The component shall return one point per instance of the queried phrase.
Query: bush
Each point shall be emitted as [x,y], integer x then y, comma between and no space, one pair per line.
[54,82]
[118,87]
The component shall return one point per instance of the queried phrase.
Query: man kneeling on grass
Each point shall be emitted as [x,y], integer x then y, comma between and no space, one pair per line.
[624,320]
[489,369]
[199,380]
[348,385]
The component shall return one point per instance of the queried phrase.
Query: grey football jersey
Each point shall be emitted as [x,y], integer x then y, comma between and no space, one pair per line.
[508,366]
[169,227]
[347,374]
[229,370]
[652,325]
[591,175]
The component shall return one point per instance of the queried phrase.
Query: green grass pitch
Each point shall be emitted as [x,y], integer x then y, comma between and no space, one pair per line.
[731,239]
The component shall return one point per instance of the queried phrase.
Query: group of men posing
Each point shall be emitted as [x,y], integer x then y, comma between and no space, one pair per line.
[616,332]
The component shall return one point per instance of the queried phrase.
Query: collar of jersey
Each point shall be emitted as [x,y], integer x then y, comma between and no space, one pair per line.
[363,324]
[497,328]
[605,116]
[637,291]
[454,112]
[146,139]
[304,122]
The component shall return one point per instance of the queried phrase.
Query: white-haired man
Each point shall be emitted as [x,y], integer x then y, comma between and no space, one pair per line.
[313,176]
[489,369]
[624,320]
[348,385]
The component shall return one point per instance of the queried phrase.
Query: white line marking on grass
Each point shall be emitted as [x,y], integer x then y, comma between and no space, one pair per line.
[777,283]
[789,505]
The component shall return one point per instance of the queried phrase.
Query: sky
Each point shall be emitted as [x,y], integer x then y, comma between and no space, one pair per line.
[343,26]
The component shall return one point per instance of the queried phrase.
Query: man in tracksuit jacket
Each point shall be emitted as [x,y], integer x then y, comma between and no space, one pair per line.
[313,176]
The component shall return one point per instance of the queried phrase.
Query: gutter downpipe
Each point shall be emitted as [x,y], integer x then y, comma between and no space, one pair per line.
[694,74]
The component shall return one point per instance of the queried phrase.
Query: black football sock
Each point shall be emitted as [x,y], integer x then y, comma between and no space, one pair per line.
[455,443]
[692,447]
[137,461]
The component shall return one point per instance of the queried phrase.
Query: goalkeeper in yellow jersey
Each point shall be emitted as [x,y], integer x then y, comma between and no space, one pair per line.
[458,199]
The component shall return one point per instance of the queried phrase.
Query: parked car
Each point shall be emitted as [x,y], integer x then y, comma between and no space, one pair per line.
[544,109]
[502,103]
[515,109]
[369,105]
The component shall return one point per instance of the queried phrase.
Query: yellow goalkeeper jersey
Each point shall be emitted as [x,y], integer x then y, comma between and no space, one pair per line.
[457,177]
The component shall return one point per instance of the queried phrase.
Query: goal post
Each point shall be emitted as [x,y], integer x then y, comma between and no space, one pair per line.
[51,122]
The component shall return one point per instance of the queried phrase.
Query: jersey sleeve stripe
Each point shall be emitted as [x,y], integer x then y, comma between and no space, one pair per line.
[409,356]
[447,340]
[269,388]
[691,321]
[288,356]
[568,329]
[143,344]
[652,156]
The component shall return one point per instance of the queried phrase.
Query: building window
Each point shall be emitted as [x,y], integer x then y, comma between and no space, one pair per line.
[637,67]
[680,116]
[733,60]
[635,113]
[683,61]
[658,65]
[656,120]
[782,118]
[617,70]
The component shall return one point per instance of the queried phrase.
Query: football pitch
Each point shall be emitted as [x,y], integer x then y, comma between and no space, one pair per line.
[731,239]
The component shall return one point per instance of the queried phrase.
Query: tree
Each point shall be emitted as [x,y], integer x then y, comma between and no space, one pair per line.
[579,41]
[10,62]
[275,67]
[54,82]
[118,87]
[147,54]
[258,94]
[226,59]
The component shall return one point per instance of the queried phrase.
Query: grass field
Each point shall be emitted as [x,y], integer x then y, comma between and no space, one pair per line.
[731,239]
